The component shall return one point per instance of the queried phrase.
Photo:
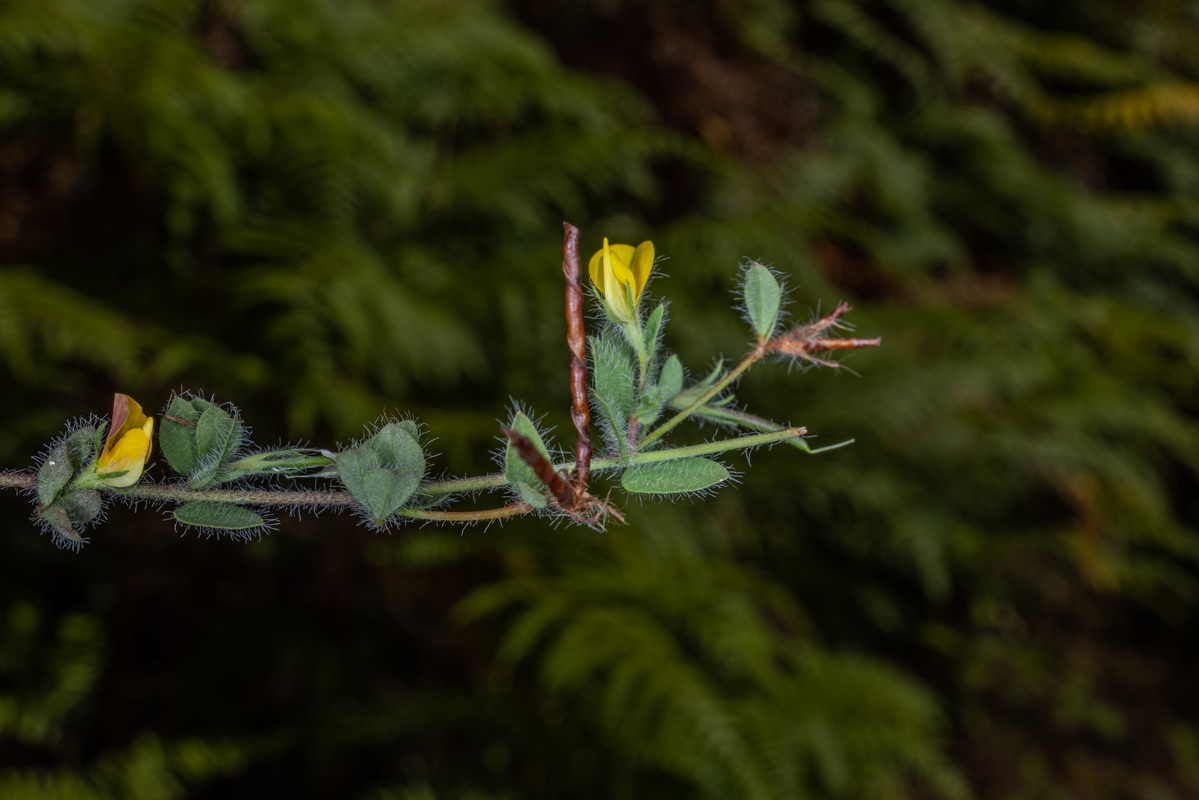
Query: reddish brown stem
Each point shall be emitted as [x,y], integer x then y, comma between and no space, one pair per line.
[576,339]
[806,340]
[554,480]
[845,344]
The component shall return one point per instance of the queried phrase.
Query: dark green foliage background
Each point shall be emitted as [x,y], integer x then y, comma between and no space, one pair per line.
[329,211]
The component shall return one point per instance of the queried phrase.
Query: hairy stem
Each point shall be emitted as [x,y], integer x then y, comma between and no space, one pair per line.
[267,497]
[18,480]
[720,385]
[514,510]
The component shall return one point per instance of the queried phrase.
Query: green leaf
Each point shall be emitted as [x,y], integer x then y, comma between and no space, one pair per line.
[692,393]
[82,451]
[381,491]
[411,427]
[670,380]
[614,383]
[710,379]
[54,474]
[385,491]
[763,296]
[657,395]
[63,462]
[649,406]
[520,475]
[653,327]
[219,435]
[82,507]
[673,477]
[58,519]
[82,447]
[398,448]
[352,466]
[177,434]
[221,516]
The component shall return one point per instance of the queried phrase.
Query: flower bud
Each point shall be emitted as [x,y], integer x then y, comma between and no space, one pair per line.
[620,272]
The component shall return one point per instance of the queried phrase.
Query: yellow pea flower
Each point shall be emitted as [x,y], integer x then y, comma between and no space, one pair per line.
[127,447]
[620,272]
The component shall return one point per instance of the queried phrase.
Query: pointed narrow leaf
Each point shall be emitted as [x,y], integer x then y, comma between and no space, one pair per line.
[762,296]
[653,327]
[221,516]
[674,477]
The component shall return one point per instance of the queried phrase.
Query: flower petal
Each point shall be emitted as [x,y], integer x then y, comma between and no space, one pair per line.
[127,415]
[129,456]
[595,269]
[642,263]
[127,446]
[622,257]
[620,271]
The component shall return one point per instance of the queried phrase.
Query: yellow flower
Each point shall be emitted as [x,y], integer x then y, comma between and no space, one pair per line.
[127,448]
[620,273]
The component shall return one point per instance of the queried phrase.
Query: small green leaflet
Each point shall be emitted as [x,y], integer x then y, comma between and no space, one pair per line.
[674,477]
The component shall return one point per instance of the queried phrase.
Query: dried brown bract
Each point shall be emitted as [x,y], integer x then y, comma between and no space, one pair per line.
[805,341]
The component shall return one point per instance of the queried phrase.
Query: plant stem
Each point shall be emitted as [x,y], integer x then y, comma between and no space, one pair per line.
[271,497]
[472,484]
[184,494]
[18,480]
[720,385]
[719,446]
[266,497]
[514,510]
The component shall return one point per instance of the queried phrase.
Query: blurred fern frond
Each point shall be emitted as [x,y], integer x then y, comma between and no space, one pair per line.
[694,678]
